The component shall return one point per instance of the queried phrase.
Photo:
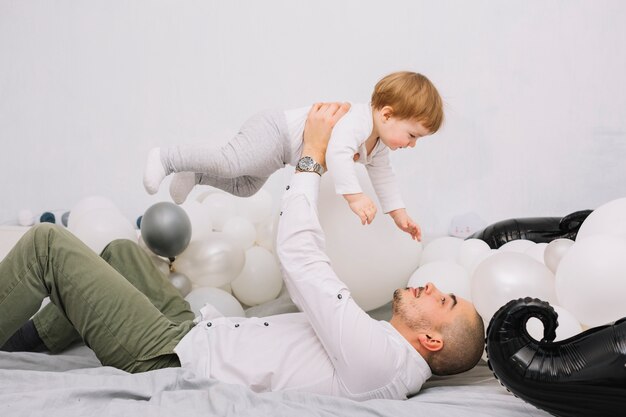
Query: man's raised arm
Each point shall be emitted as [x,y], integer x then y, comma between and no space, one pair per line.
[356,344]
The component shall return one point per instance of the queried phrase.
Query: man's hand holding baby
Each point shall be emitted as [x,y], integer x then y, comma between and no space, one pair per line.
[319,126]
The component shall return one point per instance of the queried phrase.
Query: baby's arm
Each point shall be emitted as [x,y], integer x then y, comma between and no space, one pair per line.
[386,187]
[340,161]
[406,224]
[362,206]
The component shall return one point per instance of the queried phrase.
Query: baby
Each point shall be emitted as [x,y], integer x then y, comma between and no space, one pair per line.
[405,106]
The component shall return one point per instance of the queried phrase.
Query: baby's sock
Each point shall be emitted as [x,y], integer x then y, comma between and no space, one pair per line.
[181,185]
[155,172]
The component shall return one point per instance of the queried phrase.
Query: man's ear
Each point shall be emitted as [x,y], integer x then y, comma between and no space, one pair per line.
[432,342]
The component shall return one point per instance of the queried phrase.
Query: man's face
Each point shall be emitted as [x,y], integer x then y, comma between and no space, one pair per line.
[426,307]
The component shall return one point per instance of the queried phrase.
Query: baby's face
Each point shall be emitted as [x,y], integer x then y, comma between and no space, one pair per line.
[401,133]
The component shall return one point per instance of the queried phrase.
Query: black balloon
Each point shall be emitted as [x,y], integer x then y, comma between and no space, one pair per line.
[536,229]
[166,229]
[47,217]
[584,375]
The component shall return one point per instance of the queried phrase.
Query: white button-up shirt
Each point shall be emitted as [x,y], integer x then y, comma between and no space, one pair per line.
[331,347]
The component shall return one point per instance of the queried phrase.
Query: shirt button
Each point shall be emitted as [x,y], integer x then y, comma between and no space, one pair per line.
[209,324]
[237,325]
[339,296]
[281,213]
[287,188]
[266,324]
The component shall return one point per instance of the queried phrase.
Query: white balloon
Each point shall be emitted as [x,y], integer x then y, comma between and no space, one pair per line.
[536,251]
[507,276]
[469,252]
[260,280]
[220,299]
[102,226]
[88,204]
[180,282]
[555,252]
[608,219]
[372,260]
[226,287]
[266,233]
[479,259]
[256,208]
[25,217]
[221,207]
[441,249]
[591,279]
[240,230]
[448,276]
[204,194]
[568,325]
[517,245]
[212,262]
[200,218]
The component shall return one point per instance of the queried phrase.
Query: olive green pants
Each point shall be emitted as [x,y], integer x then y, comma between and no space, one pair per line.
[119,304]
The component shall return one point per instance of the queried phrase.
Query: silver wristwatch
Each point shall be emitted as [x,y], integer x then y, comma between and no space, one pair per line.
[308,164]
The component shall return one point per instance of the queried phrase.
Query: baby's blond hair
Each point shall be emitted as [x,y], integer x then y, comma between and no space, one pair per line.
[411,96]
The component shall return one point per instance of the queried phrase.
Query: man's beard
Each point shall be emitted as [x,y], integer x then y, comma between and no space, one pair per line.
[396,300]
[412,315]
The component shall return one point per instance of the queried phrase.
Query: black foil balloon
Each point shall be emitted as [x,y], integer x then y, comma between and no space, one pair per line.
[536,229]
[166,229]
[584,375]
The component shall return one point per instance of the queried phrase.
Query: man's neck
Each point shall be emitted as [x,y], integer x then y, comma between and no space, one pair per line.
[410,335]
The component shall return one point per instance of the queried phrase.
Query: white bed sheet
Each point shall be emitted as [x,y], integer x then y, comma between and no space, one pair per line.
[75,384]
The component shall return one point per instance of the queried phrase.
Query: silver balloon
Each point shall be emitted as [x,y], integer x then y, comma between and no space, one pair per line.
[213,261]
[161,263]
[180,282]
[166,229]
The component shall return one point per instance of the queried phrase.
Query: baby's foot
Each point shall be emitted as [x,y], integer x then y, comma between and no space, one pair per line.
[154,173]
[181,185]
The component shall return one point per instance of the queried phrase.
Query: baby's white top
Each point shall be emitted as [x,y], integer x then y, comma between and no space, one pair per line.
[348,138]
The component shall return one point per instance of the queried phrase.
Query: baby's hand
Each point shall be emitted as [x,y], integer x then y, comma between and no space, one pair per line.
[406,224]
[362,206]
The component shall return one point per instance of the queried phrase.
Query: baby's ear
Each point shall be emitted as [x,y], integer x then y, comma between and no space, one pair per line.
[386,112]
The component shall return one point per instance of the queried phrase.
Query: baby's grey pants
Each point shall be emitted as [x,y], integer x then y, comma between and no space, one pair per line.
[244,164]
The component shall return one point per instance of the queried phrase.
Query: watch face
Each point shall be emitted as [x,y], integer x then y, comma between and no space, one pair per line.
[306,163]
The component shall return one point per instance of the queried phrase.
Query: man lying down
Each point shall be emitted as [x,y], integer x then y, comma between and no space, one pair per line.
[130,315]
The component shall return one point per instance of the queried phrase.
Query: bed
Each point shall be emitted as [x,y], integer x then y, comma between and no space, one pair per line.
[75,384]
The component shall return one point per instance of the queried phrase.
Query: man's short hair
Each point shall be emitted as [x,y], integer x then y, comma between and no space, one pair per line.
[463,344]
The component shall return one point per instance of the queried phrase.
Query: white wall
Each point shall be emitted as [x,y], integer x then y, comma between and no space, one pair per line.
[534,91]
